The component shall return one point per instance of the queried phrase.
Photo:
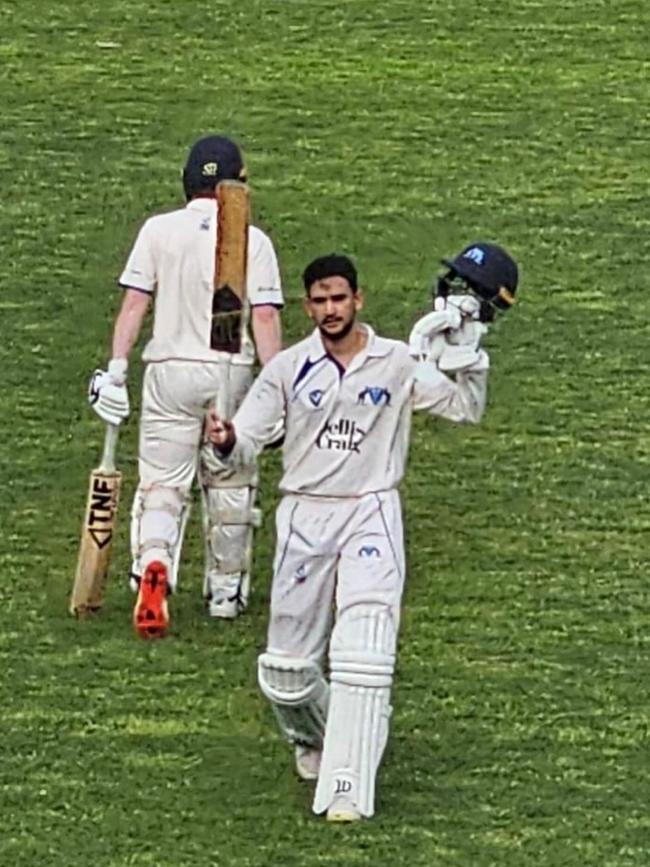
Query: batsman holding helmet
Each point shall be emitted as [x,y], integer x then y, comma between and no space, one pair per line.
[345,397]
[200,352]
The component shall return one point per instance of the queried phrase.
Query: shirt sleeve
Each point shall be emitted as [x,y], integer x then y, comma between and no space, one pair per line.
[461,399]
[264,285]
[140,270]
[260,418]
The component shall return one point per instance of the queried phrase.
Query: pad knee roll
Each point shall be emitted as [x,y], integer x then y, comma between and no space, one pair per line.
[298,693]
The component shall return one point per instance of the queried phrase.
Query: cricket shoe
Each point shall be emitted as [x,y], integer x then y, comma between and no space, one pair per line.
[307,763]
[150,615]
[227,595]
[343,810]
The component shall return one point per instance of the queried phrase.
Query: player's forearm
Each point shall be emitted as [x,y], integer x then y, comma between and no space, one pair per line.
[129,322]
[472,394]
[267,332]
[461,399]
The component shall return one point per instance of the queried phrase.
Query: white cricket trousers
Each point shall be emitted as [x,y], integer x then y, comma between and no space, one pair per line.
[346,551]
[175,398]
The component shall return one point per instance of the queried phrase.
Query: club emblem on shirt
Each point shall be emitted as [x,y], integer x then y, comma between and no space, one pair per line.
[375,395]
[316,396]
[341,436]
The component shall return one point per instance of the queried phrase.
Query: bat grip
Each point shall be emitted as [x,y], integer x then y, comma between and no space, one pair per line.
[222,399]
[107,464]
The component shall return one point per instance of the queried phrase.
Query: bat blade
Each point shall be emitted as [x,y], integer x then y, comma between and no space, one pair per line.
[97,532]
[229,311]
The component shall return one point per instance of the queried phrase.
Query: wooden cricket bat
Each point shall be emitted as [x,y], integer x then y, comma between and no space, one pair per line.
[97,531]
[229,308]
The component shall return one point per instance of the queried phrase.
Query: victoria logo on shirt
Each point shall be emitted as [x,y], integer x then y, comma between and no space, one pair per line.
[341,436]
[316,396]
[375,395]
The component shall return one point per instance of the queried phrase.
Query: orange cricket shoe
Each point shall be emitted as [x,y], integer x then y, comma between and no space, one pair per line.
[150,615]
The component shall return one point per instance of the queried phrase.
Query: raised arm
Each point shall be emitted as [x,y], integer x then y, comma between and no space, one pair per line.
[461,399]
[451,370]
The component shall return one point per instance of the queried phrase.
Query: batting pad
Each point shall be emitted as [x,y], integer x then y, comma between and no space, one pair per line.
[362,660]
[299,694]
[158,519]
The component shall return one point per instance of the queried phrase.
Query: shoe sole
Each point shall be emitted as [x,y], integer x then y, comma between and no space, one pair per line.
[150,615]
[343,816]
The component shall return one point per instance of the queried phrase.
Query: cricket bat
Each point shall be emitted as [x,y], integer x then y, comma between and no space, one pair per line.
[229,308]
[97,531]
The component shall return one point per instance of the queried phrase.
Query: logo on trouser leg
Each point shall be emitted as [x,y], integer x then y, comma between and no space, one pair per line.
[369,551]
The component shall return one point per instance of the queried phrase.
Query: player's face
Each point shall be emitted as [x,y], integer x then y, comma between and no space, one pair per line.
[333,306]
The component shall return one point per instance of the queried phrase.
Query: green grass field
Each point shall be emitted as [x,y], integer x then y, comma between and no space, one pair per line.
[396,131]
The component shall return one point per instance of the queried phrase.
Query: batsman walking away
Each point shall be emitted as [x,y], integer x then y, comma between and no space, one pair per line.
[200,353]
[345,397]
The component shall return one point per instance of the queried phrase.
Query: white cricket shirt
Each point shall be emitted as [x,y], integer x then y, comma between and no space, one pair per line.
[174,257]
[347,431]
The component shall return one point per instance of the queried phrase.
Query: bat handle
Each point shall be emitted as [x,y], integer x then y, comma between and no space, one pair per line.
[107,464]
[222,399]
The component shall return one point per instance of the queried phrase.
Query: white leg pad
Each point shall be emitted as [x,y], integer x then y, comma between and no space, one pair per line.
[362,661]
[229,517]
[298,693]
[158,520]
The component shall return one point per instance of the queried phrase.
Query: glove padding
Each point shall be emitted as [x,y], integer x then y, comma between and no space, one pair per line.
[107,392]
[450,336]
[463,349]
[426,340]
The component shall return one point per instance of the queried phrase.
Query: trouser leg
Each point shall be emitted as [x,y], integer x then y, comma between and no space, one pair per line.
[289,672]
[362,656]
[229,513]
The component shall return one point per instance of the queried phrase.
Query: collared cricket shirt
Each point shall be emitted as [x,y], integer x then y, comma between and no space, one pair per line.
[174,256]
[347,431]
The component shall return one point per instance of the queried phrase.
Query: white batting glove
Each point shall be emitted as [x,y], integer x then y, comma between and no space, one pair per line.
[107,392]
[427,340]
[463,344]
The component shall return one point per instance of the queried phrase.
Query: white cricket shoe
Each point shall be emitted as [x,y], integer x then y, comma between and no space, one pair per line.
[227,595]
[223,607]
[307,763]
[343,810]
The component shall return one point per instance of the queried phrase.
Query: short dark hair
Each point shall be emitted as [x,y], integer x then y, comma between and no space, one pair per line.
[332,265]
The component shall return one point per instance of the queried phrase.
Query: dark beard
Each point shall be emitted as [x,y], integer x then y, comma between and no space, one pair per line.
[340,334]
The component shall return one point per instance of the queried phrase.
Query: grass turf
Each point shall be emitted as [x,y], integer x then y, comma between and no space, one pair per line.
[395,130]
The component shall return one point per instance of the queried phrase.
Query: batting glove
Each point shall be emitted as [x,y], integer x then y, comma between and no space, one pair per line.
[107,392]
[426,340]
[462,348]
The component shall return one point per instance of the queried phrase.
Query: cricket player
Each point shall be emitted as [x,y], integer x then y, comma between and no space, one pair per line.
[173,260]
[345,396]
